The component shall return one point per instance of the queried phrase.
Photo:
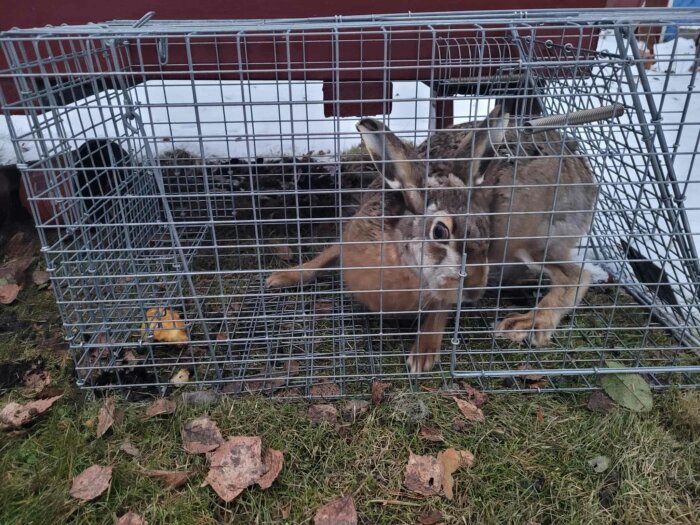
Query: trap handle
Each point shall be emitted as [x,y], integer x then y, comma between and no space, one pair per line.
[576,118]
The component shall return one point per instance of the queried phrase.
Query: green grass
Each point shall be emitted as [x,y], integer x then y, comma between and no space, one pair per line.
[526,470]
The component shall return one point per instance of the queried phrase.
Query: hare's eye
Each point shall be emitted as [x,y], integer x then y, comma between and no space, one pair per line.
[440,231]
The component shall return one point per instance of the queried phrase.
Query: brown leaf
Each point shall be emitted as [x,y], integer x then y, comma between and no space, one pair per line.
[458,424]
[325,390]
[40,277]
[91,482]
[35,380]
[322,413]
[354,408]
[130,449]
[338,512]
[430,518]
[105,418]
[14,415]
[201,435]
[235,465]
[451,460]
[423,475]
[469,410]
[379,391]
[172,479]
[600,402]
[540,415]
[160,406]
[272,462]
[8,293]
[474,395]
[430,434]
[130,518]
[286,510]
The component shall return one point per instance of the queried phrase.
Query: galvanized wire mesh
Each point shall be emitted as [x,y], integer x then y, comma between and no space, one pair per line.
[173,166]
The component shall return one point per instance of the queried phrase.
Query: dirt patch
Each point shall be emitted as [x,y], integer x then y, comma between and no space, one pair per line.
[11,373]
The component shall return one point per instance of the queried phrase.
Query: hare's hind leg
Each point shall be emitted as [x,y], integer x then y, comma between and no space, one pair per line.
[305,273]
[426,350]
[569,283]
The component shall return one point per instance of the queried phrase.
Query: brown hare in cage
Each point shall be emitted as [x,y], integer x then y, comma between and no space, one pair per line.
[512,201]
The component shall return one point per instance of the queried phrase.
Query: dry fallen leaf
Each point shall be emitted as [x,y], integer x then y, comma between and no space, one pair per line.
[474,395]
[201,435]
[130,449]
[40,277]
[286,510]
[8,293]
[599,402]
[166,325]
[322,413]
[423,475]
[130,518]
[430,434]
[272,461]
[160,407]
[235,465]
[379,391]
[105,418]
[451,460]
[35,380]
[338,512]
[540,415]
[469,410]
[325,390]
[172,479]
[91,482]
[14,415]
[430,518]
[354,408]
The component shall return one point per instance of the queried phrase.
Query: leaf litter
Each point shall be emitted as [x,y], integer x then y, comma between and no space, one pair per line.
[91,482]
[629,390]
[15,415]
[130,518]
[423,475]
[105,417]
[469,410]
[171,479]
[319,414]
[452,460]
[338,512]
[238,463]
[161,407]
[201,435]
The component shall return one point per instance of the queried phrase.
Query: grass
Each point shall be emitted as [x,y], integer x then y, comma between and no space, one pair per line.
[528,469]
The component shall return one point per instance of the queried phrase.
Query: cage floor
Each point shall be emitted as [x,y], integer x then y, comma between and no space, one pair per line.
[316,341]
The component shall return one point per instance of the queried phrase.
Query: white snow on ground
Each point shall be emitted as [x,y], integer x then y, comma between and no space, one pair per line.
[269,118]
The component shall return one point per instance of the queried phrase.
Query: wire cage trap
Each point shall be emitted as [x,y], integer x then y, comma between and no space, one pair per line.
[172,167]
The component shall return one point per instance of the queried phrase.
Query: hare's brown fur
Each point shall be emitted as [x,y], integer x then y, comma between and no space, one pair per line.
[512,200]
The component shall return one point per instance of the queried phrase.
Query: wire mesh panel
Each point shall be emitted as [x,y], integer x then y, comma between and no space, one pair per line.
[300,207]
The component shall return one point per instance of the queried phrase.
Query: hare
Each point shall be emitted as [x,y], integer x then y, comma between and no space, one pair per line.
[402,251]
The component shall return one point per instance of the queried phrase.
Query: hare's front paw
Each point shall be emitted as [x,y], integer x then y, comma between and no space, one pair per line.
[283,279]
[423,359]
[537,326]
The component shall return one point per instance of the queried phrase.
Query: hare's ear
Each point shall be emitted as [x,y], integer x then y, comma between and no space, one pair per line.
[486,137]
[395,161]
